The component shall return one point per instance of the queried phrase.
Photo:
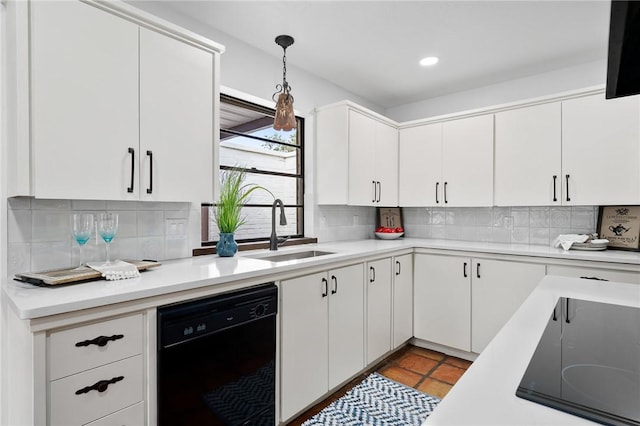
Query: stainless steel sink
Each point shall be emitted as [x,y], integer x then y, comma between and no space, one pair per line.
[283,257]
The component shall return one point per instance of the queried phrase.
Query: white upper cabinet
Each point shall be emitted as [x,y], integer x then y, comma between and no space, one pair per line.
[528,156]
[362,183]
[84,102]
[601,150]
[176,120]
[420,166]
[467,162]
[356,158]
[116,111]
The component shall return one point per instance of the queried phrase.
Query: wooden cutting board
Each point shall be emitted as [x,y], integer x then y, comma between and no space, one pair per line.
[75,276]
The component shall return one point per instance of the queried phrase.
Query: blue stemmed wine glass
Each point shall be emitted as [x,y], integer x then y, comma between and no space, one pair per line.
[107,228]
[81,229]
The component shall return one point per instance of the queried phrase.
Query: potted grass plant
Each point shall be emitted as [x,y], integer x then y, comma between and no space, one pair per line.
[228,211]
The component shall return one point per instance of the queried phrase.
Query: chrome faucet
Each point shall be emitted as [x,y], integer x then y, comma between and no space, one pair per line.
[273,241]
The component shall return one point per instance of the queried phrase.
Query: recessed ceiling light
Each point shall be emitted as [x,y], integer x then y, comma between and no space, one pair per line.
[428,61]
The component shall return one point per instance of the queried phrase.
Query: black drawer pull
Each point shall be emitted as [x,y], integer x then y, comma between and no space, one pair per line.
[437,185]
[478,270]
[100,386]
[445,193]
[594,278]
[567,178]
[325,287]
[335,284]
[398,267]
[100,340]
[464,270]
[555,198]
[372,274]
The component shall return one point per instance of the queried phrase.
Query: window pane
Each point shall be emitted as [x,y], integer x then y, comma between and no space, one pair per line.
[245,152]
[282,187]
[258,223]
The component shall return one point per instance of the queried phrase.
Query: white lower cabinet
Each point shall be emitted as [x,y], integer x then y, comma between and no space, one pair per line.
[462,302]
[96,371]
[378,308]
[322,334]
[402,299]
[498,288]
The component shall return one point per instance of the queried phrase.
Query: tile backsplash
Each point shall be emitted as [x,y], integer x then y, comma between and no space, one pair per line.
[521,225]
[39,232]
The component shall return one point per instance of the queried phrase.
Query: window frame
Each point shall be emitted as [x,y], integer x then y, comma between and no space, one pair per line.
[299,176]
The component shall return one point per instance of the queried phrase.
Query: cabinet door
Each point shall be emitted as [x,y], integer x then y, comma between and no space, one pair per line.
[600,151]
[362,187]
[402,299]
[498,288]
[442,300]
[346,323]
[467,161]
[84,102]
[176,120]
[527,156]
[303,342]
[386,164]
[420,166]
[332,155]
[378,309]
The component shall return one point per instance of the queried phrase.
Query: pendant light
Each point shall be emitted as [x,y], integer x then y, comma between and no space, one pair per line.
[285,118]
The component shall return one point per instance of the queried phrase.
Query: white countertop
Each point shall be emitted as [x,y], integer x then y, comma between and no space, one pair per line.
[485,395]
[30,301]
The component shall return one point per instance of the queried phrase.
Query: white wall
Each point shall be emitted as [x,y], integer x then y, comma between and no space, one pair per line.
[3,211]
[549,83]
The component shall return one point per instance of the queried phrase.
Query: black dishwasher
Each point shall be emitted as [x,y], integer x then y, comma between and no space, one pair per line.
[216,359]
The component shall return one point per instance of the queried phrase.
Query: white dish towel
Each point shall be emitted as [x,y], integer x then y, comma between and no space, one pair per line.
[116,270]
[567,240]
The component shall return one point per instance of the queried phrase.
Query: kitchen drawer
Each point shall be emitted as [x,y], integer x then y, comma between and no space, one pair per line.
[69,408]
[65,358]
[130,416]
[596,273]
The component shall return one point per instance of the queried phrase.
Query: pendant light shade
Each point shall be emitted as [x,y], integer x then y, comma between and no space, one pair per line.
[285,118]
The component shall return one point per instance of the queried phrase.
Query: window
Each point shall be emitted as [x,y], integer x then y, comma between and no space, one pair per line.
[272,159]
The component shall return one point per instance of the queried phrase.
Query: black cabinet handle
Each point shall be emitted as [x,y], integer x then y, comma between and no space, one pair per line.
[478,270]
[567,178]
[445,193]
[594,278]
[555,316]
[100,386]
[464,269]
[437,185]
[555,198]
[374,191]
[398,267]
[335,284]
[372,274]
[100,340]
[325,285]
[379,191]
[150,188]
[133,167]
[567,317]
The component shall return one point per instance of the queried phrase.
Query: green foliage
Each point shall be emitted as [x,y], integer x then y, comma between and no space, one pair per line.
[293,139]
[233,195]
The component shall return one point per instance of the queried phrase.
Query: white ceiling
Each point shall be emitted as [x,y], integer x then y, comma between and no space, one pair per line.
[372,48]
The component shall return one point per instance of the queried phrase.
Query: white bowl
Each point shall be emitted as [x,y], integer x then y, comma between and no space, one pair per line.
[389,235]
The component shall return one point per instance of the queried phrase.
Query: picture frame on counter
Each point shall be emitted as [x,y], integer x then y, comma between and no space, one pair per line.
[621,226]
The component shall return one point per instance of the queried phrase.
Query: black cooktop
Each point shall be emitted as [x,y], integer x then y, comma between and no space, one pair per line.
[588,362]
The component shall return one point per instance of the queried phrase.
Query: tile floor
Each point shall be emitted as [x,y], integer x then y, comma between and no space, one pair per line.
[428,371]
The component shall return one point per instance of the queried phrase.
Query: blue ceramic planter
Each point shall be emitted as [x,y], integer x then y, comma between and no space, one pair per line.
[226,246]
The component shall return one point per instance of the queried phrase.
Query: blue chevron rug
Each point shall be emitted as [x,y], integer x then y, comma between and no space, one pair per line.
[377,401]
